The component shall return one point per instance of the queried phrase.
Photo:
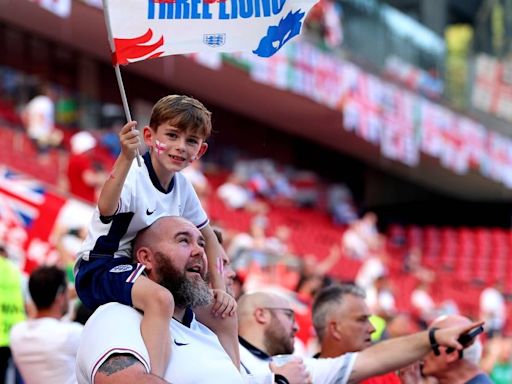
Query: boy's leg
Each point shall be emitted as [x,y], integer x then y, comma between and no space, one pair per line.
[157,303]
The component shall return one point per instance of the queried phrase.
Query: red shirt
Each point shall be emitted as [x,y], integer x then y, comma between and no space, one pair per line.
[388,378]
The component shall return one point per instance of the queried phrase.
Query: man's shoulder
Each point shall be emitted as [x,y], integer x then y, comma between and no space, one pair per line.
[481,378]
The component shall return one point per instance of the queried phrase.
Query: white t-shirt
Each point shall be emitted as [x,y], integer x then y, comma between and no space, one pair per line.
[45,349]
[323,371]
[492,307]
[143,201]
[40,114]
[196,357]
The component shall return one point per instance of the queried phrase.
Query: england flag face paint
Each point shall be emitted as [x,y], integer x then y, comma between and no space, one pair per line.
[160,147]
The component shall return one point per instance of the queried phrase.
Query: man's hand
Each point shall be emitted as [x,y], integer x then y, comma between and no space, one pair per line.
[294,371]
[224,305]
[447,337]
[130,140]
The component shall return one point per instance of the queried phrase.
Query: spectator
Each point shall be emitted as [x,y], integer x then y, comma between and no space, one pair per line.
[457,367]
[39,119]
[44,348]
[199,181]
[85,176]
[493,309]
[341,321]
[267,327]
[12,309]
[172,252]
[423,305]
[497,360]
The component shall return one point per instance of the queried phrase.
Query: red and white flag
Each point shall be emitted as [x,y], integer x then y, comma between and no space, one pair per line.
[145,29]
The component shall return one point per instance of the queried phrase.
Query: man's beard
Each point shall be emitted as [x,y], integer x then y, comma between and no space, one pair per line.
[277,341]
[186,293]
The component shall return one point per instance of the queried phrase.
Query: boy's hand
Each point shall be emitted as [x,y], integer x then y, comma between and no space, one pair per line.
[224,305]
[130,140]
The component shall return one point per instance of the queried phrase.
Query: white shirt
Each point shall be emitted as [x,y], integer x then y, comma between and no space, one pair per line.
[45,349]
[323,371]
[492,307]
[40,115]
[143,201]
[196,357]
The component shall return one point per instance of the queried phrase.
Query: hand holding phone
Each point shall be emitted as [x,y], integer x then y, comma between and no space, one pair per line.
[467,338]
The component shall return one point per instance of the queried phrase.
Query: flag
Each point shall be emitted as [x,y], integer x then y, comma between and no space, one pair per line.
[145,29]
[61,8]
[27,216]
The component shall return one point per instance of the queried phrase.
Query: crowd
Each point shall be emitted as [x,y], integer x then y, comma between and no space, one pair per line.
[164,302]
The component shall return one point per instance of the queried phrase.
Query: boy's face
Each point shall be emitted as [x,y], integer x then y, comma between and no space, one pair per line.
[174,149]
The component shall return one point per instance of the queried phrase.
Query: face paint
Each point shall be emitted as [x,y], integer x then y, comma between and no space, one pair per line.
[159,147]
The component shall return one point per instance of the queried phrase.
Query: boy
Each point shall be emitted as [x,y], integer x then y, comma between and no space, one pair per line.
[134,197]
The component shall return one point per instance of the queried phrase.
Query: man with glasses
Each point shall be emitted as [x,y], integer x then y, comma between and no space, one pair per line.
[45,348]
[266,328]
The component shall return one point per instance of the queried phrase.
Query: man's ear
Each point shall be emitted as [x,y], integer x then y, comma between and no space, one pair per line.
[332,328]
[148,134]
[145,257]
[451,357]
[202,151]
[261,316]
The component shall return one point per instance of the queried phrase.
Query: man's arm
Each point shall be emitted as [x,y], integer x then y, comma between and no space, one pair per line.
[397,353]
[126,369]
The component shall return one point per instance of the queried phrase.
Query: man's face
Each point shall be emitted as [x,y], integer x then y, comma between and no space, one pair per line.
[281,330]
[228,273]
[434,365]
[353,324]
[180,263]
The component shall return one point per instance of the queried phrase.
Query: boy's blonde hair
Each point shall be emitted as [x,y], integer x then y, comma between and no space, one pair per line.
[184,113]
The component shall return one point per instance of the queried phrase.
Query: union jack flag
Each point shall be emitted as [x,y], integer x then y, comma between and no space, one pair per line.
[27,213]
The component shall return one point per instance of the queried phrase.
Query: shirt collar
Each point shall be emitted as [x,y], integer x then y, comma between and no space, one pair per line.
[255,351]
[153,176]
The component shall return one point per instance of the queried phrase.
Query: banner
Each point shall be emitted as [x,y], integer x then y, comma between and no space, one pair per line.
[145,29]
[61,8]
[29,217]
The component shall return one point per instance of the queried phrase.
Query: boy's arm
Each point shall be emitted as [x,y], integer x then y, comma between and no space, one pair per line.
[213,253]
[111,190]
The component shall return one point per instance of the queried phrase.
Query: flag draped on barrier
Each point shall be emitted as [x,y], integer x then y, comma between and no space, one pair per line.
[144,29]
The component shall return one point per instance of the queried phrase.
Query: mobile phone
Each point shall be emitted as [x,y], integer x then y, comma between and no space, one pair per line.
[466,338]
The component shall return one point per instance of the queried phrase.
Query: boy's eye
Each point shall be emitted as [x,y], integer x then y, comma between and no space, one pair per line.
[172,135]
[183,240]
[193,141]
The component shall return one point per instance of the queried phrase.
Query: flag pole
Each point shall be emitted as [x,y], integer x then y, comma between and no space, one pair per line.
[125,104]
[118,75]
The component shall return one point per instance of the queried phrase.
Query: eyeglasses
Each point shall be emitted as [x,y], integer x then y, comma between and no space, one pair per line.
[290,313]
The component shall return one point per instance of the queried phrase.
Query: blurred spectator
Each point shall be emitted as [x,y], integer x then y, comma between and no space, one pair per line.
[353,243]
[423,305]
[236,196]
[497,360]
[12,309]
[39,119]
[85,174]
[381,299]
[493,309]
[45,348]
[306,187]
[371,270]
[341,205]
[457,367]
[199,181]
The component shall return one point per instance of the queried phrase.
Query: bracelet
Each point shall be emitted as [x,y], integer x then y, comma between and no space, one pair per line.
[433,341]
[280,379]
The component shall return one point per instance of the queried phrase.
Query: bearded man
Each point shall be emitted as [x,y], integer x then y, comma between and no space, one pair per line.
[112,349]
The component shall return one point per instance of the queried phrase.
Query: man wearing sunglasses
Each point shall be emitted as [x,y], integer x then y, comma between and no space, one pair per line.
[267,328]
